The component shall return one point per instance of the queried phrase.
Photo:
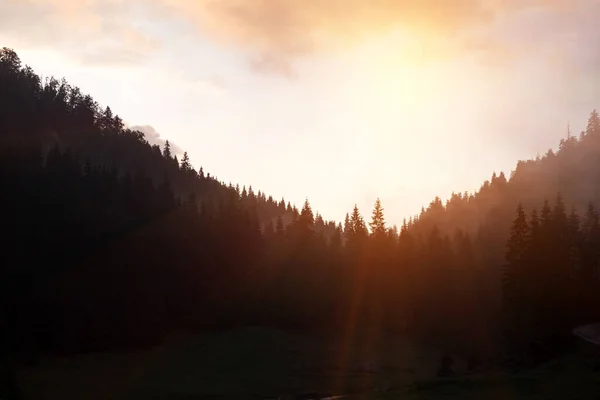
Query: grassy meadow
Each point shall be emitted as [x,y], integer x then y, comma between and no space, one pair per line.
[257,363]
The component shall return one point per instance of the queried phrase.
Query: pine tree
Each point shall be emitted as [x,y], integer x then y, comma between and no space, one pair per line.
[307,218]
[377,224]
[319,222]
[347,227]
[593,125]
[512,283]
[406,247]
[356,230]
[357,223]
[167,150]
[117,124]
[186,166]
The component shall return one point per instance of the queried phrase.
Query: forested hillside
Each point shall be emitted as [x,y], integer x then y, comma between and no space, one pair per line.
[573,172]
[52,113]
[108,241]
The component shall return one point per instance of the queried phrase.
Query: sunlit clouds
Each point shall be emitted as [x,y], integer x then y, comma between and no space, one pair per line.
[276,32]
[292,28]
[91,32]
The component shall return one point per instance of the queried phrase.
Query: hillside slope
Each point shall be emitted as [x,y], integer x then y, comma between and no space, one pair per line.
[573,172]
[53,113]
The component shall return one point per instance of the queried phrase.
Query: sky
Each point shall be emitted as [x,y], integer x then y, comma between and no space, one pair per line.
[337,101]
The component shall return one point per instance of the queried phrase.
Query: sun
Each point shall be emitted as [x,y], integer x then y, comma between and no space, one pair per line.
[397,88]
[410,111]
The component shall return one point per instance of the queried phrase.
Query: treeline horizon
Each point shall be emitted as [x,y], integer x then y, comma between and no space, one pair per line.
[112,242]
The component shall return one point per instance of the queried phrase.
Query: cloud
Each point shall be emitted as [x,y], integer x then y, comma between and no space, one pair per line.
[154,138]
[97,32]
[271,63]
[125,46]
[276,32]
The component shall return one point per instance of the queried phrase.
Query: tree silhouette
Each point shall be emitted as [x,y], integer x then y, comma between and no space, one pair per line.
[167,150]
[514,289]
[593,125]
[377,223]
[185,164]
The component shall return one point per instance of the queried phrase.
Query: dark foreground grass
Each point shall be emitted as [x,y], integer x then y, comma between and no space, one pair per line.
[265,364]
[572,376]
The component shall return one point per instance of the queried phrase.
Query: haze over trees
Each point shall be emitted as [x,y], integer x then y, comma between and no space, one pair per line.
[108,241]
